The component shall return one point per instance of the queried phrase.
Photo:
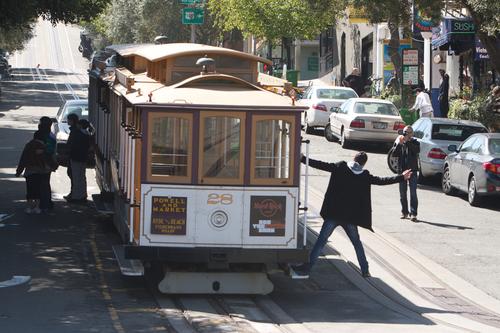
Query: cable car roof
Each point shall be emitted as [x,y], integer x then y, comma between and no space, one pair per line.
[153,52]
[219,90]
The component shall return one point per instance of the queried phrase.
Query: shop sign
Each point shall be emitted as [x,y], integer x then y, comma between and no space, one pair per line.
[267,215]
[459,26]
[421,23]
[481,53]
[168,215]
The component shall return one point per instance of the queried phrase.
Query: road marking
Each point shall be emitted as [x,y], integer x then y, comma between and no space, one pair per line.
[15,281]
[69,48]
[103,286]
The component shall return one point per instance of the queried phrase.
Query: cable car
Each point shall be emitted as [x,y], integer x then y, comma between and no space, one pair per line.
[200,166]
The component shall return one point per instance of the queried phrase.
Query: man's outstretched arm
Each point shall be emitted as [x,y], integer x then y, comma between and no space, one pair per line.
[319,164]
[375,180]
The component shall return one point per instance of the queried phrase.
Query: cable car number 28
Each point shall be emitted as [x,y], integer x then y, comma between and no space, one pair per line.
[219,199]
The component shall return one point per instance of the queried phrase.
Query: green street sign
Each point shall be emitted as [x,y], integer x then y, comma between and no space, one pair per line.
[190,2]
[192,16]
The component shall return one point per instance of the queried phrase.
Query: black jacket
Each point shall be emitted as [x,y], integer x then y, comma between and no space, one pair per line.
[78,144]
[408,155]
[348,196]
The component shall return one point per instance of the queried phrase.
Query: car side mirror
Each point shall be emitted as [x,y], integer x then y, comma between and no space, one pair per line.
[54,120]
[452,148]
[335,109]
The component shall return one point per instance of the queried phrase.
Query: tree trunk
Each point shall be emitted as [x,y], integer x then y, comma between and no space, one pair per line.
[394,44]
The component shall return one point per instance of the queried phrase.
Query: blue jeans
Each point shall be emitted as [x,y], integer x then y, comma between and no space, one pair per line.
[352,233]
[403,190]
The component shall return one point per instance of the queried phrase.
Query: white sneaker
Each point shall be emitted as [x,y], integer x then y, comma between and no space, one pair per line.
[28,210]
[36,210]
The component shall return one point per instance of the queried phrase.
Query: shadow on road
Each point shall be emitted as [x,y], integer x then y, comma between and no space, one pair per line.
[443,225]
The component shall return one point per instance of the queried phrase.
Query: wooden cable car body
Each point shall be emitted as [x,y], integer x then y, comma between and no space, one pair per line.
[202,168]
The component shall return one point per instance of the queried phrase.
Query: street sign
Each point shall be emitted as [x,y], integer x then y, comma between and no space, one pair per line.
[190,2]
[410,57]
[410,75]
[192,16]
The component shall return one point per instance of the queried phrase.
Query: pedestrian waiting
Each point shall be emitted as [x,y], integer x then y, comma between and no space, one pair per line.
[36,170]
[347,203]
[78,144]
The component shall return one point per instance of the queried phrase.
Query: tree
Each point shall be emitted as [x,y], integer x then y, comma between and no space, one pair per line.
[16,16]
[486,16]
[276,19]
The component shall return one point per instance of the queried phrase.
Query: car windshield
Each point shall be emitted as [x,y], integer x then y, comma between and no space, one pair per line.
[81,110]
[335,94]
[376,108]
[494,146]
[454,132]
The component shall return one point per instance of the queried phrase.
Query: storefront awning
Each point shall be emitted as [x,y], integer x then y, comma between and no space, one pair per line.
[454,34]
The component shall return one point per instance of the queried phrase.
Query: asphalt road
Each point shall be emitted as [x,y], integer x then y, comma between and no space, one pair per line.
[450,232]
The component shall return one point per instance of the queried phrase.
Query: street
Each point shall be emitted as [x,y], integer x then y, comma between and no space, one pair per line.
[75,284]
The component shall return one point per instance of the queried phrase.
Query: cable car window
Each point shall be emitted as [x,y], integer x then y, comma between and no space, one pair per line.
[170,147]
[272,151]
[220,150]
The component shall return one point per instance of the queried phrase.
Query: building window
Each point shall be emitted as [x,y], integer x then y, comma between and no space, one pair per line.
[273,139]
[170,147]
[221,156]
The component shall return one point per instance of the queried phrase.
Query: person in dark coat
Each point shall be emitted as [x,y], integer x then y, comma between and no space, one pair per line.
[355,81]
[78,144]
[444,87]
[44,127]
[347,203]
[407,149]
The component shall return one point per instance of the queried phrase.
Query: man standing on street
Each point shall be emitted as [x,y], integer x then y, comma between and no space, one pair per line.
[422,104]
[444,87]
[355,81]
[347,203]
[78,144]
[407,149]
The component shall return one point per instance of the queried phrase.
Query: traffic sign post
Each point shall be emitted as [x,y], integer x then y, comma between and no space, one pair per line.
[193,15]
[410,71]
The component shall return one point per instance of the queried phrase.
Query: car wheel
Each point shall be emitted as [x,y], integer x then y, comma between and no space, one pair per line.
[343,141]
[446,182]
[330,137]
[392,161]
[474,199]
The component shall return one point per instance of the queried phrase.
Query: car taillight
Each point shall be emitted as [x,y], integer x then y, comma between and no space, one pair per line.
[357,123]
[399,125]
[492,167]
[320,107]
[437,154]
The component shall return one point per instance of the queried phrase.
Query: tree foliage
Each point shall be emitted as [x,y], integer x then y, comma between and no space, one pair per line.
[140,21]
[276,19]
[17,17]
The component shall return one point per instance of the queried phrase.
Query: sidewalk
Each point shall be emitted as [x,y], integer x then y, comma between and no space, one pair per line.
[405,280]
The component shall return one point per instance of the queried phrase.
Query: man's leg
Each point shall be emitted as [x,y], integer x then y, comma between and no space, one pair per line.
[79,181]
[403,197]
[413,194]
[352,233]
[44,191]
[324,234]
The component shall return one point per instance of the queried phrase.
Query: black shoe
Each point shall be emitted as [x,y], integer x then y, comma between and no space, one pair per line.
[414,218]
[366,274]
[404,216]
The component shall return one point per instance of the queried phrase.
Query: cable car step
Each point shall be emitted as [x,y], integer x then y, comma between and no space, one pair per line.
[128,267]
[216,283]
[101,205]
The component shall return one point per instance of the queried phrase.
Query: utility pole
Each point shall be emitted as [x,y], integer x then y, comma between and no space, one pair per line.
[193,33]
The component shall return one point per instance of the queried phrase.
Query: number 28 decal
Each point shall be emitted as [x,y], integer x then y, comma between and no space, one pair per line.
[219,199]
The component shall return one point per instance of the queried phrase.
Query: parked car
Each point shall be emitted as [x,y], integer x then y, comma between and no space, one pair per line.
[435,135]
[474,167]
[60,126]
[364,120]
[320,100]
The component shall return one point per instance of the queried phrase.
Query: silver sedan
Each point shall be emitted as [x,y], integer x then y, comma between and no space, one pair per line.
[474,167]
[364,120]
